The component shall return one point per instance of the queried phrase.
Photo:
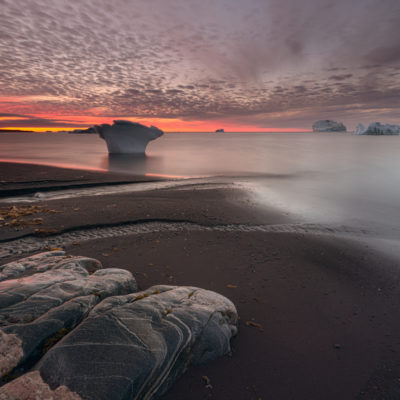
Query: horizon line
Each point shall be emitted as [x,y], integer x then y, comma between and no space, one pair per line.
[61,130]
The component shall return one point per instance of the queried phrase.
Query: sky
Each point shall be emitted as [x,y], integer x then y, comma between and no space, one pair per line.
[199,65]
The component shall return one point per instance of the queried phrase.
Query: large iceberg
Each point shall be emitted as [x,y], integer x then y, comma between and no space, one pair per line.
[126,137]
[326,125]
[376,128]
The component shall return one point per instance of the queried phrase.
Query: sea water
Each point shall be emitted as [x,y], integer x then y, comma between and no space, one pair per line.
[337,178]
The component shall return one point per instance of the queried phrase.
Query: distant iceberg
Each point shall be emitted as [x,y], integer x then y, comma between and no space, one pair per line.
[219,130]
[126,137]
[376,128]
[326,125]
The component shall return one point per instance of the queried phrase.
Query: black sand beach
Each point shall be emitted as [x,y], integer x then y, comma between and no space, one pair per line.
[319,315]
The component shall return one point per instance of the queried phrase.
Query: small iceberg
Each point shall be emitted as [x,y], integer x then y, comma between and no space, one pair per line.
[326,125]
[376,128]
[126,137]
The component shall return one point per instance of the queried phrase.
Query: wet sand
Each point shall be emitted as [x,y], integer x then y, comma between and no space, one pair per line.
[319,314]
[21,179]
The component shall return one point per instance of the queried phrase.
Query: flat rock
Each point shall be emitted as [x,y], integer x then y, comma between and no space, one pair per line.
[114,343]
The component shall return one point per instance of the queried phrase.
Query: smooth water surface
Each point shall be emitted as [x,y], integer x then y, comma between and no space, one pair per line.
[325,177]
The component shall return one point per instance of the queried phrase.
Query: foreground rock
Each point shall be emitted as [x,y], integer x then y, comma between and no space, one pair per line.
[50,294]
[97,341]
[126,137]
[377,128]
[327,125]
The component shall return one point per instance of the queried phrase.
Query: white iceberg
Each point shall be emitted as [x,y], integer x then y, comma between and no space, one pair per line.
[326,125]
[376,128]
[126,137]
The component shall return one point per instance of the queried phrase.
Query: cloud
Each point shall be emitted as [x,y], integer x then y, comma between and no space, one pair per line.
[340,77]
[25,121]
[10,115]
[384,54]
[191,60]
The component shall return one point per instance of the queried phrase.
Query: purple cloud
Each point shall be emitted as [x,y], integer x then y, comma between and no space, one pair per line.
[260,59]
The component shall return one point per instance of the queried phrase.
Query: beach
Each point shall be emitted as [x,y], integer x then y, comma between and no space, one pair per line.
[200,200]
[318,312]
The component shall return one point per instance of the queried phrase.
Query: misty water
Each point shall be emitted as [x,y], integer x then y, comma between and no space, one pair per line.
[332,178]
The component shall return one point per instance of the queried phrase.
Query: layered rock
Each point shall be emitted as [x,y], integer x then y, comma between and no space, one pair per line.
[50,296]
[126,137]
[377,128]
[327,125]
[102,339]
[30,265]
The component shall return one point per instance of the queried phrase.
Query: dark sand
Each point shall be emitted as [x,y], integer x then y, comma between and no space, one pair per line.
[319,316]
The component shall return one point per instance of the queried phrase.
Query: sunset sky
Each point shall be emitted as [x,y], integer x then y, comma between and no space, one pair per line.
[198,65]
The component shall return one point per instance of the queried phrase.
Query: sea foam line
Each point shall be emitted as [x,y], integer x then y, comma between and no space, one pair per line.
[32,244]
[200,183]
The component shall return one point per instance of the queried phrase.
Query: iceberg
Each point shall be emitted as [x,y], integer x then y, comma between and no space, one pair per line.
[376,128]
[126,137]
[326,125]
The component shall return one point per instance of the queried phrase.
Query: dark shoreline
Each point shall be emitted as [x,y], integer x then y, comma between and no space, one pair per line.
[319,315]
[14,182]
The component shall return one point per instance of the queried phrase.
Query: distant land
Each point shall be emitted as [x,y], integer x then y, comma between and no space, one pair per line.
[14,130]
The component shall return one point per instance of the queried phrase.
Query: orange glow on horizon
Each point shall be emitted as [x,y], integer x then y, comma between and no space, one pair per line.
[23,105]
[166,124]
[40,129]
[183,127]
[11,118]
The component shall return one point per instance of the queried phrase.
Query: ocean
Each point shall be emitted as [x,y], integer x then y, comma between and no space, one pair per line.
[330,178]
